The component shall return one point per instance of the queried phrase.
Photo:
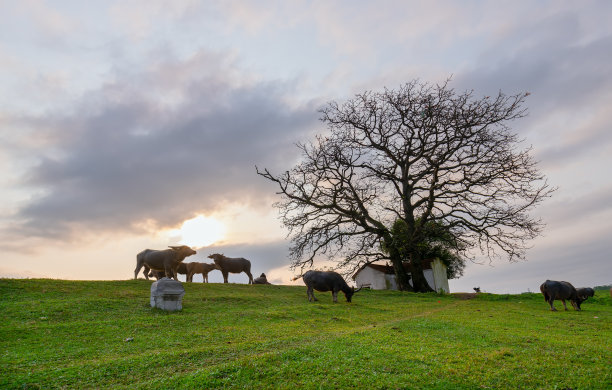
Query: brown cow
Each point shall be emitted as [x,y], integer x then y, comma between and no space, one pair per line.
[234,265]
[166,260]
[181,270]
[199,268]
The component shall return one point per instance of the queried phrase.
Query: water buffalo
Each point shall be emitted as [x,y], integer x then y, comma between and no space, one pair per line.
[261,279]
[234,265]
[552,290]
[181,270]
[326,281]
[585,292]
[154,274]
[199,268]
[167,260]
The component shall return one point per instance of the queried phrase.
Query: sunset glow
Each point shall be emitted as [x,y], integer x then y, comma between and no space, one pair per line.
[200,231]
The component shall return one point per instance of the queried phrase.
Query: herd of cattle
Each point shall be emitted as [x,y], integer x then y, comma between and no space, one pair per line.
[169,263]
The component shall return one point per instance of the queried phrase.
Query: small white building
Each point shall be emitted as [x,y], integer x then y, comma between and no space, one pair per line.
[382,277]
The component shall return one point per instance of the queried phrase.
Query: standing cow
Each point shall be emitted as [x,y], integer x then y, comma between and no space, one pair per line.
[199,268]
[234,265]
[167,260]
[326,281]
[562,291]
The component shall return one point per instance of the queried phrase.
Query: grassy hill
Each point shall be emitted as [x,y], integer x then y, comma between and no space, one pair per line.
[76,334]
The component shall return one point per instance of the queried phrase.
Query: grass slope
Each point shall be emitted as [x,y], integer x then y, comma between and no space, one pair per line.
[71,334]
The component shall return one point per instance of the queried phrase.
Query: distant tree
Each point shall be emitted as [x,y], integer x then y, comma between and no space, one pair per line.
[399,163]
[603,288]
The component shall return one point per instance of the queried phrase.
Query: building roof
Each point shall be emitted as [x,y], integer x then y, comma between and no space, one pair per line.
[388,268]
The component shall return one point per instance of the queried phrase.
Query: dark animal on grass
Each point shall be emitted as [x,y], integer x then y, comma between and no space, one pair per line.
[477,289]
[585,292]
[553,290]
[261,279]
[182,270]
[234,265]
[199,268]
[167,260]
[326,281]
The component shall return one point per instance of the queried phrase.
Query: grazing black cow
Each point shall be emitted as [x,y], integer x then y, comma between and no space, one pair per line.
[552,290]
[326,281]
[585,292]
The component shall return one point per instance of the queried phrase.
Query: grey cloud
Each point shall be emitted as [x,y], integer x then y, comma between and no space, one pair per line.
[583,264]
[127,155]
[575,210]
[564,72]
[558,74]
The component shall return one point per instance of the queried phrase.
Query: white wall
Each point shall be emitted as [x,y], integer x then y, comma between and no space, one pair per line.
[440,280]
[369,276]
[436,278]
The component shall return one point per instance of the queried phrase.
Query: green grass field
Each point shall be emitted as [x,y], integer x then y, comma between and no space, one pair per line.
[72,334]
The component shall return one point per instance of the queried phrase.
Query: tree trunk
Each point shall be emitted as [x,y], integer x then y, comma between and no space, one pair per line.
[419,283]
[401,277]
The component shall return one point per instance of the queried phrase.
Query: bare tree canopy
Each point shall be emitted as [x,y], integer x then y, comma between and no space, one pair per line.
[422,154]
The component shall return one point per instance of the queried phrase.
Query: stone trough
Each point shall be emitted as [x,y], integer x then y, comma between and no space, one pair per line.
[167,294]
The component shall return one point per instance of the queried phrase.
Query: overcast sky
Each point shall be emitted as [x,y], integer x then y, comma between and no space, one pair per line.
[121,120]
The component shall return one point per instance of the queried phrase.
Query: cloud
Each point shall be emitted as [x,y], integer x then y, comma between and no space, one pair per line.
[128,152]
[566,79]
[582,264]
[581,209]
[47,21]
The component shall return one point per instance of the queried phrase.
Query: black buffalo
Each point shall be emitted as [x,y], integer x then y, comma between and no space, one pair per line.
[326,281]
[553,290]
[585,292]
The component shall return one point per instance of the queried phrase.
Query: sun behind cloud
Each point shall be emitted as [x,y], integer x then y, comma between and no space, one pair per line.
[200,231]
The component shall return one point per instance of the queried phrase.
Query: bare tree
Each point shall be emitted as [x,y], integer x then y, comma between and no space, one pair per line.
[422,155]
